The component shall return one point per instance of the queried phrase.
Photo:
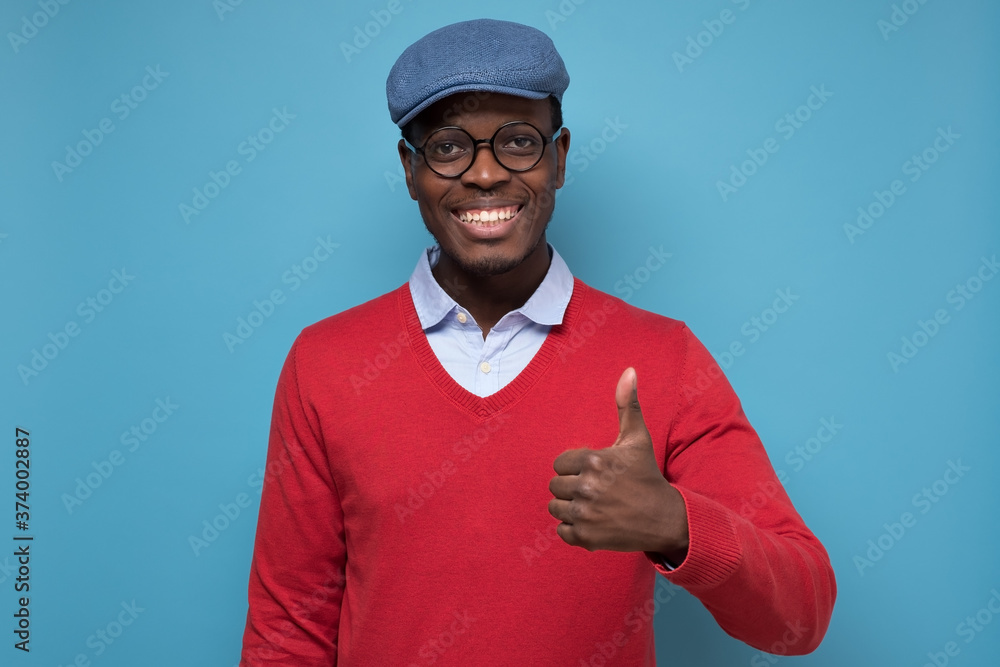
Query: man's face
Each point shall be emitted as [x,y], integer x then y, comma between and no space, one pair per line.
[528,196]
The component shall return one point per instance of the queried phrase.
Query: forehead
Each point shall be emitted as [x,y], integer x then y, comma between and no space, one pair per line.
[483,112]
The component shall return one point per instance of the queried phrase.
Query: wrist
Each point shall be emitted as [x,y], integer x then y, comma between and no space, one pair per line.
[674,536]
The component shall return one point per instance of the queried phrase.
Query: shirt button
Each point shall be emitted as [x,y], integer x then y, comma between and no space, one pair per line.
[485,367]
[462,318]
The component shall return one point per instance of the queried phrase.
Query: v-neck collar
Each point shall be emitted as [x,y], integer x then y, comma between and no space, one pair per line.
[485,406]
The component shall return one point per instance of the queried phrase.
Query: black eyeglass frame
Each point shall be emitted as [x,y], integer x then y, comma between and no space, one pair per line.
[476,143]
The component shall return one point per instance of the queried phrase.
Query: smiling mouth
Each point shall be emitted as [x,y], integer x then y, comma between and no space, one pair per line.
[487,217]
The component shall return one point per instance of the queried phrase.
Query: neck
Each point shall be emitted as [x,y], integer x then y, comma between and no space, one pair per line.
[489,298]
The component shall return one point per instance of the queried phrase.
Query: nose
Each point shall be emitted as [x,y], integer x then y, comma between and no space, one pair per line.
[485,172]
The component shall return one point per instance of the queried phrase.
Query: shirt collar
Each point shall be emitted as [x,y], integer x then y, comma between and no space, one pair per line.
[546,306]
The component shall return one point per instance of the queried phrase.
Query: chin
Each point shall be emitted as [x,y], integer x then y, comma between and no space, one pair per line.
[486,258]
[492,264]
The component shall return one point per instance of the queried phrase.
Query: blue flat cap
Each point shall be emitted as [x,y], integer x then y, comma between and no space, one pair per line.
[481,55]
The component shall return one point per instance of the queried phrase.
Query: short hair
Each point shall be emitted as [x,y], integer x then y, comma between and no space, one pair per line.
[556,111]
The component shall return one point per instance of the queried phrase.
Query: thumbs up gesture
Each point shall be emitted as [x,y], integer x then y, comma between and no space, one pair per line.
[616,498]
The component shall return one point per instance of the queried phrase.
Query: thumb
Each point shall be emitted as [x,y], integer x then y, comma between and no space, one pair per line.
[631,426]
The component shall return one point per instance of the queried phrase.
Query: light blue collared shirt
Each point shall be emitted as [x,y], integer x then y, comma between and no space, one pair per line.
[484,367]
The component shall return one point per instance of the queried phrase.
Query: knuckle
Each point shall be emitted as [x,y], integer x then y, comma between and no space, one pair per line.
[594,461]
[588,490]
[579,512]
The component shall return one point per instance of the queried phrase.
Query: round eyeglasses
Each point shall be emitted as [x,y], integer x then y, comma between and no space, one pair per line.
[450,151]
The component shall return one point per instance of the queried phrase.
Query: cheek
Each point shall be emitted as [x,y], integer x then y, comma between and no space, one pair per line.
[545,195]
[429,202]
[430,214]
[431,188]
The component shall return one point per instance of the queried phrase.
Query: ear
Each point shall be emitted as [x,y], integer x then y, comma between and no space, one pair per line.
[561,144]
[406,158]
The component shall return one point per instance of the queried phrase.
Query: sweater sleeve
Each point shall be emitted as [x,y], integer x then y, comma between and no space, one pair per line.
[753,563]
[297,572]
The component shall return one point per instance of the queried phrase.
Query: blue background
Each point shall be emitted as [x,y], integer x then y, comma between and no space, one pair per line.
[332,173]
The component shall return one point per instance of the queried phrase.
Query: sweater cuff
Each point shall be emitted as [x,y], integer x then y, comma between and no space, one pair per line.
[713,549]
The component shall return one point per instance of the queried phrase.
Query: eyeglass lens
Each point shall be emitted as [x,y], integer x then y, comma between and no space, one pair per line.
[450,151]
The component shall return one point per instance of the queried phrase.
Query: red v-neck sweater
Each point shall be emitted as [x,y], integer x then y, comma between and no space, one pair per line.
[403,519]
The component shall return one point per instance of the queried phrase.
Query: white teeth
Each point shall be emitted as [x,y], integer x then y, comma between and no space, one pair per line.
[488,218]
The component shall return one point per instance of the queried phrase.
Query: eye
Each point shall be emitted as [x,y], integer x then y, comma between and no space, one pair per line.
[445,149]
[521,143]
[524,141]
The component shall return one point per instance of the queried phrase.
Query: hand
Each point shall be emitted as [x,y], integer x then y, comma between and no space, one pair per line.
[616,498]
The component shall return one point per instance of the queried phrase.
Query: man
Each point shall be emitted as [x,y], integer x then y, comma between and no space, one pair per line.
[403,518]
